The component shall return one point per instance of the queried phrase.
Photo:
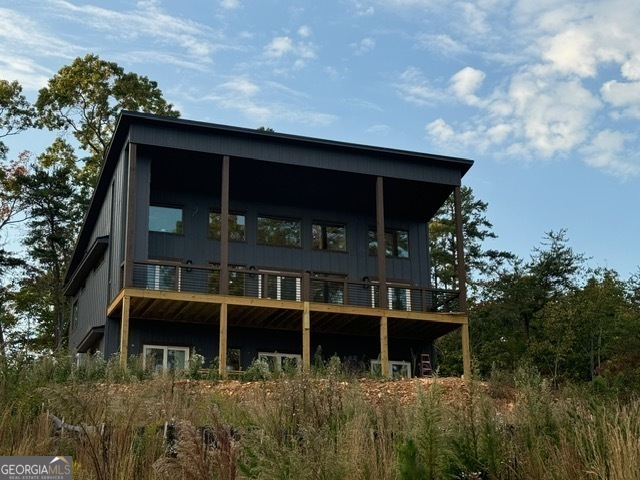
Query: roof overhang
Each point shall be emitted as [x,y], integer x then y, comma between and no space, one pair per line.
[90,339]
[90,260]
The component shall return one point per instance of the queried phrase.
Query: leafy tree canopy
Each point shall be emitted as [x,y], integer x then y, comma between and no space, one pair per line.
[16,113]
[86,98]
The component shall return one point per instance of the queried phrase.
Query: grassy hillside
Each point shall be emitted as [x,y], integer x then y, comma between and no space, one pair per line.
[123,425]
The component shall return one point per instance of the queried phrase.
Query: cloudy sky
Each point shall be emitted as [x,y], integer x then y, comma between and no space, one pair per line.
[543,95]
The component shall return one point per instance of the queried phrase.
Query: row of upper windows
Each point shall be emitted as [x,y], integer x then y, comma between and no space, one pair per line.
[282,232]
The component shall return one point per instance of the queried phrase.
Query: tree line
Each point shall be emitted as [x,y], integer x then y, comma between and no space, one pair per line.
[44,196]
[550,310]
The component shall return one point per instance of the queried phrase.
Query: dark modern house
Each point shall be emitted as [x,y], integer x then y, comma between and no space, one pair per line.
[243,244]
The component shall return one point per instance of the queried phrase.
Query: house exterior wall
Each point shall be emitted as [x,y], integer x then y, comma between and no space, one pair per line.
[179,164]
[103,282]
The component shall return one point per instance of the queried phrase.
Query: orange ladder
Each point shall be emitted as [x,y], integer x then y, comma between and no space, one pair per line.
[425,365]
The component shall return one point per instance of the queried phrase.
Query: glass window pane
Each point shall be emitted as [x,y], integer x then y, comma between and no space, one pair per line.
[165,219]
[154,358]
[233,359]
[329,237]
[389,243]
[373,243]
[279,232]
[402,244]
[236,226]
[336,238]
[396,243]
[317,240]
[176,359]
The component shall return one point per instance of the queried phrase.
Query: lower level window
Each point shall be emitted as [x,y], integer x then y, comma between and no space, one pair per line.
[281,361]
[398,369]
[162,357]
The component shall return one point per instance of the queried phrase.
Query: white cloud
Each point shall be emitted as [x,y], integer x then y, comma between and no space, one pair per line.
[440,43]
[465,83]
[279,46]
[304,31]
[440,130]
[148,20]
[631,69]
[414,88]
[558,85]
[230,4]
[570,52]
[255,102]
[378,129]
[609,151]
[23,40]
[363,46]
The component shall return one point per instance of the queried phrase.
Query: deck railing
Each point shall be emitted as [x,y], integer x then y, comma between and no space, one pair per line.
[293,286]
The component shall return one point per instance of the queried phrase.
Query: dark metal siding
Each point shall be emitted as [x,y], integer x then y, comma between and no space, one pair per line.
[204,340]
[284,153]
[356,262]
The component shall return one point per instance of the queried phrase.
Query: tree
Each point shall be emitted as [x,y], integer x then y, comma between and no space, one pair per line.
[16,113]
[476,228]
[54,215]
[86,98]
[521,310]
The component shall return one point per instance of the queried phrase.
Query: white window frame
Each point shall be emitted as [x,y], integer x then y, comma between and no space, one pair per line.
[377,365]
[279,357]
[165,354]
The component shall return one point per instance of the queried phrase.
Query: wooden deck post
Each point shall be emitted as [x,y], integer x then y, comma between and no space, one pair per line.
[462,282]
[130,221]
[124,331]
[222,353]
[382,249]
[466,353]
[384,347]
[224,228]
[306,338]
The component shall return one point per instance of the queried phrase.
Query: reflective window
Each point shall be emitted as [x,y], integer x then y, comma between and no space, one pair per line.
[165,219]
[74,315]
[280,232]
[329,237]
[236,226]
[396,243]
[160,357]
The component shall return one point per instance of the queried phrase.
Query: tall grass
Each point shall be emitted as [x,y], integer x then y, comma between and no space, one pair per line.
[131,424]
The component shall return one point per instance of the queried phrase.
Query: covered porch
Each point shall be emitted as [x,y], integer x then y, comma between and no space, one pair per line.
[286,301]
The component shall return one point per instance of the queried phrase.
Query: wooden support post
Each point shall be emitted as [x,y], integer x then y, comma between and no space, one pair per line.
[384,347]
[222,353]
[382,249]
[461,269]
[462,282]
[124,331]
[466,352]
[224,228]
[306,338]
[130,220]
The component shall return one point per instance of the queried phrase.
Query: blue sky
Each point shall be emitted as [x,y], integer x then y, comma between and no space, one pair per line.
[543,95]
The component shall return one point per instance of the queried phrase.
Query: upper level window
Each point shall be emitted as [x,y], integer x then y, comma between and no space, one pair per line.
[165,219]
[329,237]
[396,243]
[74,315]
[236,226]
[282,232]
